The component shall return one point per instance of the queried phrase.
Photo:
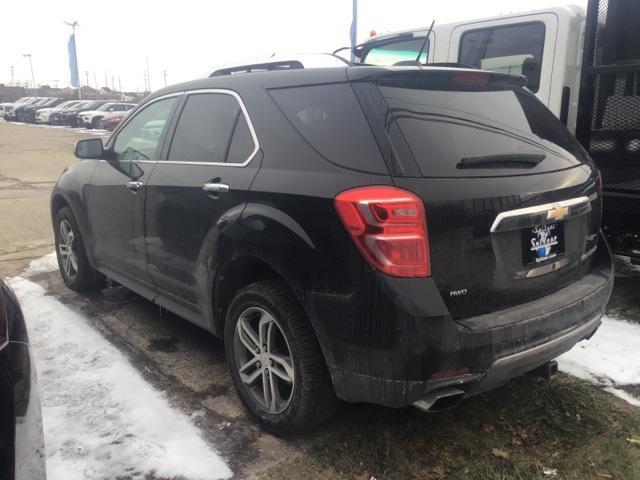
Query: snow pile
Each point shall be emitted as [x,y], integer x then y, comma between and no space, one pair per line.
[48,263]
[611,358]
[101,419]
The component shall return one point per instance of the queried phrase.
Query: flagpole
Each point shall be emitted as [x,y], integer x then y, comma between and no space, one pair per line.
[354,29]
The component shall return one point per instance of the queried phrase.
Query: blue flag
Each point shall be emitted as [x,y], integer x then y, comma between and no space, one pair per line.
[73,61]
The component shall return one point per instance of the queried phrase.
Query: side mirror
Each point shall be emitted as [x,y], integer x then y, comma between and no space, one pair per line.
[89,148]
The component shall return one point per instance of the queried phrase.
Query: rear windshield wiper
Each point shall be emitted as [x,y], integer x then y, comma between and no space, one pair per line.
[501,161]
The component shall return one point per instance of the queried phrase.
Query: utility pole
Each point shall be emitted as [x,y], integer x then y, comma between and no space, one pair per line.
[119,84]
[86,74]
[95,80]
[74,64]
[164,74]
[33,78]
[106,80]
[353,33]
[13,78]
[113,84]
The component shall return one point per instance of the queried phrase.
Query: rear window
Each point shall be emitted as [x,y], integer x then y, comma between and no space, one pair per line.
[331,120]
[515,49]
[470,131]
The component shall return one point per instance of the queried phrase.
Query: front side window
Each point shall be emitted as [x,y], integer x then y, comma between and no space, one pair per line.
[140,138]
[515,49]
[212,128]
[388,54]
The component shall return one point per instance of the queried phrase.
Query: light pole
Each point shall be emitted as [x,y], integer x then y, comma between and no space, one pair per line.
[33,78]
[73,61]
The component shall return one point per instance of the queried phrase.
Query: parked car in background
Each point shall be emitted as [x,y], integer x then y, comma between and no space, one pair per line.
[43,114]
[22,455]
[5,106]
[112,121]
[69,116]
[27,113]
[10,113]
[390,235]
[91,118]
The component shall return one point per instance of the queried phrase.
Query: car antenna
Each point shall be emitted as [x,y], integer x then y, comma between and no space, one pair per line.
[424,44]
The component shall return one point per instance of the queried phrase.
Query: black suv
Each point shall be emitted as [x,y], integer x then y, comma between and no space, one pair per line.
[388,235]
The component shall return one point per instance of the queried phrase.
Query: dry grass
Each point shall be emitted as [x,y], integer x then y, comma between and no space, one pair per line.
[535,427]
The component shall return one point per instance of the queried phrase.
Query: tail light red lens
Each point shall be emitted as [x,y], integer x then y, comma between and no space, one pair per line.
[389,227]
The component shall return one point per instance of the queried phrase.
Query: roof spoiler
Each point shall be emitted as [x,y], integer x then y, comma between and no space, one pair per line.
[436,76]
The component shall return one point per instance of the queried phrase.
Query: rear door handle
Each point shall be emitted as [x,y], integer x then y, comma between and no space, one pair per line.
[135,186]
[215,187]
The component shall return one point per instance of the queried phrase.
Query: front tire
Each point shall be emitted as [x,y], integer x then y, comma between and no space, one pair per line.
[275,360]
[76,271]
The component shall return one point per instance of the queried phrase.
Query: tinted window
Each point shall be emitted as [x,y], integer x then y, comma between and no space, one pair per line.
[475,132]
[513,49]
[398,51]
[205,131]
[140,138]
[330,119]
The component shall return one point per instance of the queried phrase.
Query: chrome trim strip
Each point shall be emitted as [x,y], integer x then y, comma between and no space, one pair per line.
[572,203]
[536,272]
[589,253]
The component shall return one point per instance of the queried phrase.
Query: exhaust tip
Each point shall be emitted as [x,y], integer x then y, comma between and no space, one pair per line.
[439,400]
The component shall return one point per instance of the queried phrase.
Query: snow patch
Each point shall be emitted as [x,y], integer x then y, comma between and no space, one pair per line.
[102,420]
[48,263]
[611,358]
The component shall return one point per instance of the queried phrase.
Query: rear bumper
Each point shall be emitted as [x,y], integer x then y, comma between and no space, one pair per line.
[422,354]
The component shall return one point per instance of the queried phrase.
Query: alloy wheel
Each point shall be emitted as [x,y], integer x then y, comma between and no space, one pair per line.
[263,359]
[66,247]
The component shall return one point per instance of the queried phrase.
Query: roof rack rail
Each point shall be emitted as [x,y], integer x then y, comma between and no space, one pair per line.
[259,67]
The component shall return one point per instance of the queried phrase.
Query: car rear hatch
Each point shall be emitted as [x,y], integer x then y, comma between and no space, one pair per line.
[512,200]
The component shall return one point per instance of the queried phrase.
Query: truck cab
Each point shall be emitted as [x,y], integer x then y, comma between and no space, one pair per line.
[584,65]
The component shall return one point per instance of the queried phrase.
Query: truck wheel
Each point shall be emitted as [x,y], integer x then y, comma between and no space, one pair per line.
[76,271]
[275,360]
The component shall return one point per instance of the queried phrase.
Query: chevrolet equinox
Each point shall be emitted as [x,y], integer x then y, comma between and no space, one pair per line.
[391,235]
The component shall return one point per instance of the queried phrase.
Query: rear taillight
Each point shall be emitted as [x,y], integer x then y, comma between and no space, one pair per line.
[389,227]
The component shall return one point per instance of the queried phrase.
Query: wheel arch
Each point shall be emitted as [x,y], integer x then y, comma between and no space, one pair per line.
[59,200]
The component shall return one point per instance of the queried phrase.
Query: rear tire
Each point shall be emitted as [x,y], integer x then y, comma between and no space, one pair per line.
[283,346]
[76,271]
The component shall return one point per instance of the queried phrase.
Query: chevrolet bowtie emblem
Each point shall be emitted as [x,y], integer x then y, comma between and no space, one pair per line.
[558,213]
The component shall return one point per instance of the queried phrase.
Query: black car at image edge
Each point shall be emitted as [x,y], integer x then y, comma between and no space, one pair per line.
[21,442]
[388,235]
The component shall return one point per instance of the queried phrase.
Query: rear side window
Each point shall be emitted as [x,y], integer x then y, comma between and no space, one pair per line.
[466,132]
[331,120]
[515,49]
[212,128]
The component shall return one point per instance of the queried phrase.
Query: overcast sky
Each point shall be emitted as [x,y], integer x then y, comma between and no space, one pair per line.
[187,37]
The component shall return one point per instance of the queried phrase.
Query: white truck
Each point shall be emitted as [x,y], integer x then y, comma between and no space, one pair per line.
[584,65]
